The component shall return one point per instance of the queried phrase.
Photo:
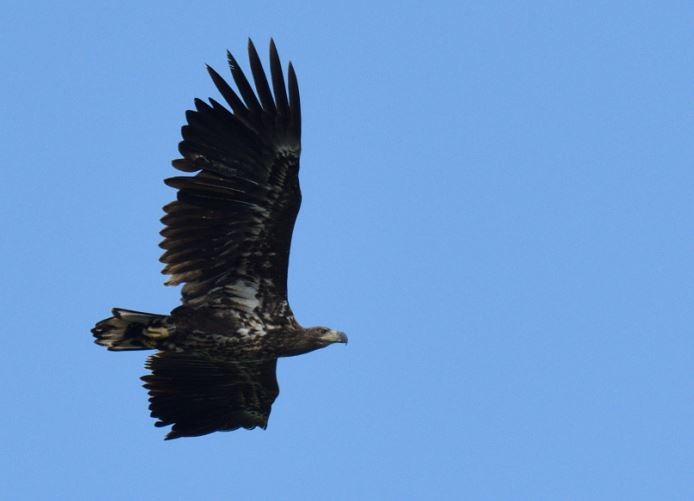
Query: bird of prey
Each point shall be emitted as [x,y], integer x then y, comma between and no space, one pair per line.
[226,238]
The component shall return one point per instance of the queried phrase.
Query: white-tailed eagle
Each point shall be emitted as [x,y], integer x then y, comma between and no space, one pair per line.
[227,239]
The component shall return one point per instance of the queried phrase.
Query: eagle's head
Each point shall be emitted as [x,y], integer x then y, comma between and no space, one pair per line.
[305,340]
[325,336]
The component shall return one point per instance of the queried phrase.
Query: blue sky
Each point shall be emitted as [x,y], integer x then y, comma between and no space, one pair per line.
[497,210]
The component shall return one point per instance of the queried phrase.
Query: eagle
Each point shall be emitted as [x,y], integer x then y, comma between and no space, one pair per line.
[226,239]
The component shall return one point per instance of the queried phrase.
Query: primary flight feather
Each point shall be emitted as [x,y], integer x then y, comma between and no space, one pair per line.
[227,239]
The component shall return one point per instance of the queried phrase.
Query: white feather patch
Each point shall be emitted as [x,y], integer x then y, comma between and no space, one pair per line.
[244,293]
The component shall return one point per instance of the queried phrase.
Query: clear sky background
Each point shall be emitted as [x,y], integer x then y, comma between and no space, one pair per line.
[497,210]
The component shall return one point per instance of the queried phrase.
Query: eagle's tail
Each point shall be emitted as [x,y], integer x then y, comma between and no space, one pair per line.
[131,330]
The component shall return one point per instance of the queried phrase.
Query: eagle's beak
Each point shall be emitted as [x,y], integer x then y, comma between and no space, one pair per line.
[335,337]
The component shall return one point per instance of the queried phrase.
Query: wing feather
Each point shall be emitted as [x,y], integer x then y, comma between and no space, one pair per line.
[260,80]
[294,103]
[228,94]
[278,82]
[199,395]
[232,221]
[244,87]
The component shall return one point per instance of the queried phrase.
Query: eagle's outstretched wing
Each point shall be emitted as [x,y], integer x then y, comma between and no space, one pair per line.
[198,395]
[228,234]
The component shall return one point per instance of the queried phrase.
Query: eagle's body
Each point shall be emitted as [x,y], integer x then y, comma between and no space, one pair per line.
[227,239]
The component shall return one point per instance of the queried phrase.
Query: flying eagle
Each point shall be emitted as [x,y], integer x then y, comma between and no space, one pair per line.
[226,238]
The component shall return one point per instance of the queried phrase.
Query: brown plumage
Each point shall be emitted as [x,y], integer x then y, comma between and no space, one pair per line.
[227,239]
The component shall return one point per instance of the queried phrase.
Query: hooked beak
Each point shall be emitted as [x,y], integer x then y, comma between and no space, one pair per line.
[335,337]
